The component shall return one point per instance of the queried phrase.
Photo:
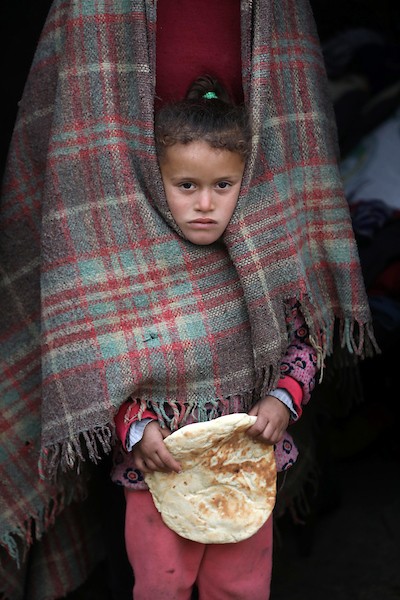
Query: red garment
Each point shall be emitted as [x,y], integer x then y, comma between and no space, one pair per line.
[167,565]
[128,414]
[197,38]
[129,410]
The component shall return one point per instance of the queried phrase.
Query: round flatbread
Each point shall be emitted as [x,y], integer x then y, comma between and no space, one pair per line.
[227,487]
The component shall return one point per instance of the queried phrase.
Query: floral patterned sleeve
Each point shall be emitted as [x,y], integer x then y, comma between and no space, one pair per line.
[300,360]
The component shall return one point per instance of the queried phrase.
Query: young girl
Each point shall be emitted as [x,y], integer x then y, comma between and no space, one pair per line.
[202,145]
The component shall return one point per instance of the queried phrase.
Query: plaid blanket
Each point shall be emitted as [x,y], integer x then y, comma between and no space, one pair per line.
[102,298]
[63,559]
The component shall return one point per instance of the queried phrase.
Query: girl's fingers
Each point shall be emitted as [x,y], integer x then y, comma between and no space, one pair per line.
[169,461]
[158,461]
[266,432]
[261,428]
[141,465]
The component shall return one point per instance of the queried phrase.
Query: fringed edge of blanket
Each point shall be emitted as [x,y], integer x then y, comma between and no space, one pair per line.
[17,540]
[70,454]
[345,338]
[355,336]
[299,484]
[203,412]
[298,503]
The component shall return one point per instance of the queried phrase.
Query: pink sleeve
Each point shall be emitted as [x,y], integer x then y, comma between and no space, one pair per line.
[129,412]
[300,361]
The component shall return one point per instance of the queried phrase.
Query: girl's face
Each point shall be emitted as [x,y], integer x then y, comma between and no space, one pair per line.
[202,187]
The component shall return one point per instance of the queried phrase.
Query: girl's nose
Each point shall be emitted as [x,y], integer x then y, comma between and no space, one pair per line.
[204,200]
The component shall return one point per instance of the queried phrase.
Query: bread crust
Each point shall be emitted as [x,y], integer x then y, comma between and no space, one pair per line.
[227,488]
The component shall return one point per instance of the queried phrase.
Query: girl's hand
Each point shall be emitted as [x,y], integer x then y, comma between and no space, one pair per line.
[272,420]
[151,454]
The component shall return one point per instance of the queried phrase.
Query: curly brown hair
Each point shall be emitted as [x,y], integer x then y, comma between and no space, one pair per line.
[215,120]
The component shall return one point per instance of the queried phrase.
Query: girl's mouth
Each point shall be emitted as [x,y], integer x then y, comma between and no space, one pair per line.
[202,222]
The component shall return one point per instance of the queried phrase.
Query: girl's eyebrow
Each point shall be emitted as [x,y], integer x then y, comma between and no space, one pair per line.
[182,178]
[229,177]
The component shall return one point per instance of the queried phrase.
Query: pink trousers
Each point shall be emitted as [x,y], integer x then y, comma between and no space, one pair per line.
[167,566]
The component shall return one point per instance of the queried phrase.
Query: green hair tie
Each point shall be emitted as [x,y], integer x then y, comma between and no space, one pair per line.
[210,96]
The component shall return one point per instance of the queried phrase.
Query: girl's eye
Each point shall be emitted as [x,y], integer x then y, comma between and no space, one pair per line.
[187,185]
[222,185]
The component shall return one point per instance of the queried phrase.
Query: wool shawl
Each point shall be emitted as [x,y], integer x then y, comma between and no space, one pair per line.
[103,298]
